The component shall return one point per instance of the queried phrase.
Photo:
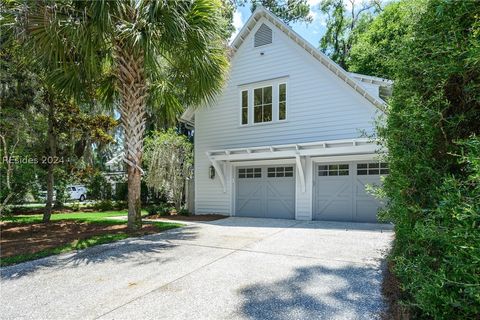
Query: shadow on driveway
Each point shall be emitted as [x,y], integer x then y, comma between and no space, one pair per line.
[137,250]
[317,292]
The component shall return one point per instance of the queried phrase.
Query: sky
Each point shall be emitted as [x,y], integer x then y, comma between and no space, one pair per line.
[312,32]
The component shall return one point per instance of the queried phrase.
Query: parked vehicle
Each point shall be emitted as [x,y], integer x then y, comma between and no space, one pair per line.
[77,192]
[73,192]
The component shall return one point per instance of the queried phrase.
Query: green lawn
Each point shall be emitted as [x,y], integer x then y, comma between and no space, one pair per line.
[89,217]
[97,217]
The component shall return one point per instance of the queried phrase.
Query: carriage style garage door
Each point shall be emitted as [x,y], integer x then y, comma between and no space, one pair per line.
[265,192]
[339,191]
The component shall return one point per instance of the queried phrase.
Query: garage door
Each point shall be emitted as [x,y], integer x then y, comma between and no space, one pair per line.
[265,192]
[340,191]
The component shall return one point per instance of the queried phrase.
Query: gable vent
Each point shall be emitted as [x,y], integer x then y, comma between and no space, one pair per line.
[263,36]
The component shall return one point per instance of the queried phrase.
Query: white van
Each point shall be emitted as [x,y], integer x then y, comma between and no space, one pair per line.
[73,192]
[77,192]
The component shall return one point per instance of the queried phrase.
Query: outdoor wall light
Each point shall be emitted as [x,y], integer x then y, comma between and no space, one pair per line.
[211,172]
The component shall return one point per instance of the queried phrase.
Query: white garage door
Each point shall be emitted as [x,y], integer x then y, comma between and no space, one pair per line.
[340,191]
[265,192]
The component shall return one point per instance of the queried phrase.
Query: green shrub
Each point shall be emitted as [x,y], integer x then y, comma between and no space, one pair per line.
[75,206]
[184,212]
[121,204]
[121,191]
[433,193]
[164,210]
[104,205]
[152,210]
[439,260]
[160,209]
[99,188]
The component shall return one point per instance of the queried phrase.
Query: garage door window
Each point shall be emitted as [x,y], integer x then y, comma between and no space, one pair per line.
[333,170]
[278,172]
[249,173]
[372,168]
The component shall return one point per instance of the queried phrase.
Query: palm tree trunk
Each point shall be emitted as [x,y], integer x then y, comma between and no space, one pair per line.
[132,87]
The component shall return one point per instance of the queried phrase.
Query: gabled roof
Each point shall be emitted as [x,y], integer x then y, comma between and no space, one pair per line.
[347,77]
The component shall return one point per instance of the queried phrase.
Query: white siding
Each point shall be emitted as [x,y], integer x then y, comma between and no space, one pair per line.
[320,106]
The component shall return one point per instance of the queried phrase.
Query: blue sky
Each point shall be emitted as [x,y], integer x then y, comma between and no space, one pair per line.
[312,32]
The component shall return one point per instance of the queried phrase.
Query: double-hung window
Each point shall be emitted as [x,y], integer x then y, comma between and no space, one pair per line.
[263,102]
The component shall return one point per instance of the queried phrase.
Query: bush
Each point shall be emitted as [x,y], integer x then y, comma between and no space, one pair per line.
[440,262]
[120,205]
[99,188]
[433,197]
[160,209]
[75,206]
[104,205]
[121,191]
[165,210]
[183,212]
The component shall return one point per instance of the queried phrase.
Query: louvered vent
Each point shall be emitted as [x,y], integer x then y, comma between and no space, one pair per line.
[263,36]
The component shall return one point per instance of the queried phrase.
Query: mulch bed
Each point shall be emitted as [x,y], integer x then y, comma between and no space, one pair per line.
[21,238]
[200,217]
[393,294]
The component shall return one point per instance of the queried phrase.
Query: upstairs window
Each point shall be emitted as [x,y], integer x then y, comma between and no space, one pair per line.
[282,101]
[245,107]
[262,104]
[263,36]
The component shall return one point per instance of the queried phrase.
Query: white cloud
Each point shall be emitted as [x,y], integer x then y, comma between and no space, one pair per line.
[317,17]
[237,24]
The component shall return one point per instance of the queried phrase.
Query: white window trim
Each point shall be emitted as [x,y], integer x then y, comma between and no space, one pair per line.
[275,84]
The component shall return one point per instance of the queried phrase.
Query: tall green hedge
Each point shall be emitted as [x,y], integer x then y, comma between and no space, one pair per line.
[432,134]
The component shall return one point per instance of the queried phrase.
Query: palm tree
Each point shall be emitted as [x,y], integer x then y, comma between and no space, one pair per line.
[145,55]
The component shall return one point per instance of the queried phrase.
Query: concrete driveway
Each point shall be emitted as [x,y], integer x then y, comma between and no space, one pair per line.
[236,268]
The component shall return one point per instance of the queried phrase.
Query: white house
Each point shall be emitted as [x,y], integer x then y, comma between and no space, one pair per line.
[286,137]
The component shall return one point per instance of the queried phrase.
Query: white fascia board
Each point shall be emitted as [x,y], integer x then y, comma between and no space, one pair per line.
[350,150]
[297,146]
[372,79]
[348,158]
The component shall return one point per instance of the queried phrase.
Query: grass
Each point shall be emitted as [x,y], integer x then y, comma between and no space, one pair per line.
[89,217]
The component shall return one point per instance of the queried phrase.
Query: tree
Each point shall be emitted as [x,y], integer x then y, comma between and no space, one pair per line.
[290,11]
[376,49]
[149,53]
[169,156]
[431,134]
[20,99]
[344,25]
